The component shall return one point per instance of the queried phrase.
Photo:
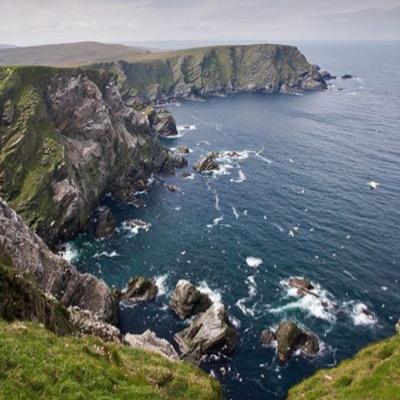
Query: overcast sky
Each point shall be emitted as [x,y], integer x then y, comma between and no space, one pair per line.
[29,22]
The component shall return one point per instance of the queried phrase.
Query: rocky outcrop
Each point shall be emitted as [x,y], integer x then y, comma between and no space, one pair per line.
[207,163]
[105,223]
[150,342]
[67,138]
[28,254]
[302,285]
[183,149]
[290,338]
[210,332]
[326,76]
[187,300]
[140,289]
[88,323]
[162,122]
[214,70]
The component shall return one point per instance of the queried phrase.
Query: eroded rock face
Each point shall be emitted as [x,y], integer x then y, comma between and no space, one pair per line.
[291,338]
[187,300]
[210,332]
[140,289]
[207,163]
[150,342]
[29,254]
[88,323]
[105,224]
[8,112]
[79,140]
[163,123]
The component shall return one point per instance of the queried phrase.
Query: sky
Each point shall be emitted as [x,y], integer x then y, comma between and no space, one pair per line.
[34,22]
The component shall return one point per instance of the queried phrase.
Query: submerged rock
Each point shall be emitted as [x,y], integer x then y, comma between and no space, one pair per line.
[291,338]
[140,289]
[150,342]
[171,188]
[105,224]
[207,163]
[302,285]
[183,149]
[187,300]
[326,75]
[347,76]
[210,332]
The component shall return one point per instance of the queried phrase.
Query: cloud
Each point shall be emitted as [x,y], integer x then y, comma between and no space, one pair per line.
[28,22]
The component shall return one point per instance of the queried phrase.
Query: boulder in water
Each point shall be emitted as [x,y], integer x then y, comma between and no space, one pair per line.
[302,285]
[291,338]
[105,223]
[207,163]
[183,149]
[210,332]
[347,76]
[171,188]
[140,289]
[326,76]
[187,300]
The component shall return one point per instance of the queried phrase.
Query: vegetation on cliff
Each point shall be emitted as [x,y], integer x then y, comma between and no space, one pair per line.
[212,70]
[35,363]
[373,373]
[65,136]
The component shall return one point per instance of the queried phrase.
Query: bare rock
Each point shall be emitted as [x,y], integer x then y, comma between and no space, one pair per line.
[267,337]
[29,254]
[140,289]
[291,338]
[150,342]
[207,163]
[187,300]
[8,112]
[183,149]
[302,285]
[88,323]
[209,333]
[163,122]
[105,224]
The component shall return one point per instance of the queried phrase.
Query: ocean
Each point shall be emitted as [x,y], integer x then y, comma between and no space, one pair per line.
[298,199]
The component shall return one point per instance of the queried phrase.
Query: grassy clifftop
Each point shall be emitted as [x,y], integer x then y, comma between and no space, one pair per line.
[36,364]
[374,373]
[218,69]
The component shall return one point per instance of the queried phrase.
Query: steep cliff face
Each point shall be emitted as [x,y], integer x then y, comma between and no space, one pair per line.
[212,70]
[28,254]
[65,138]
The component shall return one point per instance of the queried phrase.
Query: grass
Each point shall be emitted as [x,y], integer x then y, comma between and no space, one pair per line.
[36,364]
[372,374]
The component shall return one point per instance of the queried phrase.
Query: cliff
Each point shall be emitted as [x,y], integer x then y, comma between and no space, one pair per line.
[373,373]
[66,137]
[267,68]
[23,250]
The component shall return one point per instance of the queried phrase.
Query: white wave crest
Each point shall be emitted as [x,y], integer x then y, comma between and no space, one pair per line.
[253,262]
[214,295]
[106,254]
[360,314]
[70,252]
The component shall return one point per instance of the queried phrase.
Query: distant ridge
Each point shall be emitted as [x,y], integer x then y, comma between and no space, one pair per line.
[7,46]
[68,54]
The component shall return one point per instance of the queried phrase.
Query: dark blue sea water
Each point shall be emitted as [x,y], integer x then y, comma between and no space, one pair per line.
[299,199]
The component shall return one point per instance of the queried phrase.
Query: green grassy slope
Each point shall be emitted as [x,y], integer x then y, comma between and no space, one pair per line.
[36,364]
[67,54]
[372,374]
